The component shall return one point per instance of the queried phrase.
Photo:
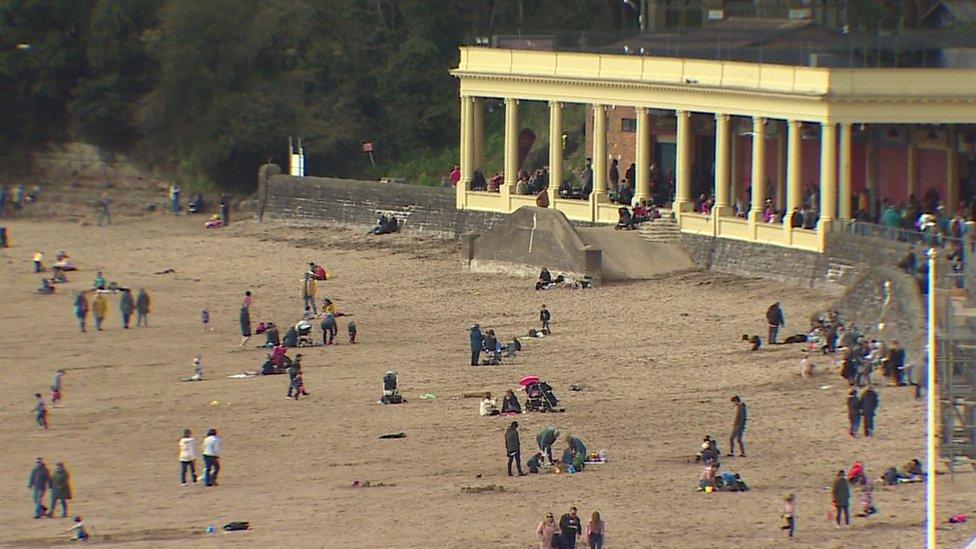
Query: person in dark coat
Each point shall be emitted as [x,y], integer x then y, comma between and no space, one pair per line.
[142,308]
[841,496]
[272,337]
[569,529]
[245,319]
[38,482]
[513,448]
[896,363]
[869,405]
[224,210]
[60,490]
[774,318]
[511,403]
[738,427]
[477,341]
[126,305]
[853,412]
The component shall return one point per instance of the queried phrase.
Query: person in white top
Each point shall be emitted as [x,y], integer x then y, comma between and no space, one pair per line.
[211,458]
[188,456]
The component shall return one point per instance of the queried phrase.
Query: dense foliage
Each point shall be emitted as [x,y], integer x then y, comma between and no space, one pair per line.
[209,89]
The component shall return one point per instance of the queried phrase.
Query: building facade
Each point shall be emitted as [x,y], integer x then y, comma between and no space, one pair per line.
[803,136]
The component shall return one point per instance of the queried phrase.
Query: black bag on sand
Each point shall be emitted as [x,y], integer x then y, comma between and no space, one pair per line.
[232,526]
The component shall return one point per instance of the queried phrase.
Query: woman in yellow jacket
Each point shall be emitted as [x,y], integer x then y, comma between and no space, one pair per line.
[99,308]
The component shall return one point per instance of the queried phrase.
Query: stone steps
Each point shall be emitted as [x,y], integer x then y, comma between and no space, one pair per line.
[839,270]
[662,229]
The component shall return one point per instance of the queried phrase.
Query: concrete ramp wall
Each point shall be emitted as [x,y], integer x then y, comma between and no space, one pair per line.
[529,239]
[628,256]
[532,238]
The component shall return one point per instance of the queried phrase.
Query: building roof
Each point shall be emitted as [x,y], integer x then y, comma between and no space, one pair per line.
[961,10]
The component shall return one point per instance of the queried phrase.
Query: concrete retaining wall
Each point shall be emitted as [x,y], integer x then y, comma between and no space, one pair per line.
[357,204]
[796,267]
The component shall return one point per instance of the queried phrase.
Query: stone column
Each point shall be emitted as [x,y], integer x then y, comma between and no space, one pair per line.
[511,142]
[722,207]
[643,190]
[845,172]
[599,193]
[781,167]
[478,127]
[952,171]
[758,169]
[465,183]
[912,164]
[683,199]
[794,163]
[555,149]
[828,175]
[735,167]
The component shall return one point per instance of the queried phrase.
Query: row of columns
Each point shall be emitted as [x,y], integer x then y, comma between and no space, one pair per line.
[472,155]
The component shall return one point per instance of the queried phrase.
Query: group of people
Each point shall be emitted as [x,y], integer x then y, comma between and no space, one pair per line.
[189,451]
[16,200]
[642,212]
[98,306]
[565,533]
[487,342]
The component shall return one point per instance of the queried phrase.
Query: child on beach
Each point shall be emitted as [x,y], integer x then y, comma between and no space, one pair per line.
[197,369]
[352,332]
[77,531]
[40,411]
[867,500]
[789,515]
[544,317]
[56,389]
[205,318]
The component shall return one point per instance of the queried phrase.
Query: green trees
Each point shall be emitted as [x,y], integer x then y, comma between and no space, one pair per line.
[210,89]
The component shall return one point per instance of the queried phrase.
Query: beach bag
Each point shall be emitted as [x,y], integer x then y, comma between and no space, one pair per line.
[240,525]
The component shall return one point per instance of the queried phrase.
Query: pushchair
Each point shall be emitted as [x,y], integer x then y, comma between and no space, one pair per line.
[625,220]
[391,395]
[304,330]
[539,396]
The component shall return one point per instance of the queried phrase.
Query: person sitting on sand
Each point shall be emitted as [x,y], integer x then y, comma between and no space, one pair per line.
[806,366]
[492,347]
[510,404]
[291,338]
[545,279]
[535,462]
[77,531]
[707,477]
[46,287]
[317,272]
[272,339]
[99,282]
[575,453]
[488,406]
[754,340]
[709,451]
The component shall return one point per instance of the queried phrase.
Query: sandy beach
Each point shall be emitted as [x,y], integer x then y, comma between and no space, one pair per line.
[657,360]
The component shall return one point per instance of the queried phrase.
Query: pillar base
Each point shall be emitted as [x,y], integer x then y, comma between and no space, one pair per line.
[681,206]
[723,211]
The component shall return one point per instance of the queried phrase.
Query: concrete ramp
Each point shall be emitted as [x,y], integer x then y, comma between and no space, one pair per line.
[531,238]
[628,256]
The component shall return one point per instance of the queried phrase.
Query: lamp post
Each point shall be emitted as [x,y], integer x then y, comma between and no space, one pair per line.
[931,403]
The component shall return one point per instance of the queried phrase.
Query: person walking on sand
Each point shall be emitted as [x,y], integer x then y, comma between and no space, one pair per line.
[545,317]
[789,515]
[774,318]
[60,490]
[126,305]
[308,293]
[853,412]
[81,309]
[40,411]
[245,319]
[595,531]
[738,427]
[869,406]
[224,210]
[39,481]
[211,457]
[188,457]
[246,302]
[103,216]
[329,329]
[142,308]
[513,448]
[569,529]
[841,497]
[547,532]
[477,341]
[99,308]
[56,389]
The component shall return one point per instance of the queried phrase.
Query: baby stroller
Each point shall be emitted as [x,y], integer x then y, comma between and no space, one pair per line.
[391,395]
[625,220]
[304,330]
[539,395]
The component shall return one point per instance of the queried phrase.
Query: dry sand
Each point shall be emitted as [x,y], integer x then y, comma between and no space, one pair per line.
[658,360]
